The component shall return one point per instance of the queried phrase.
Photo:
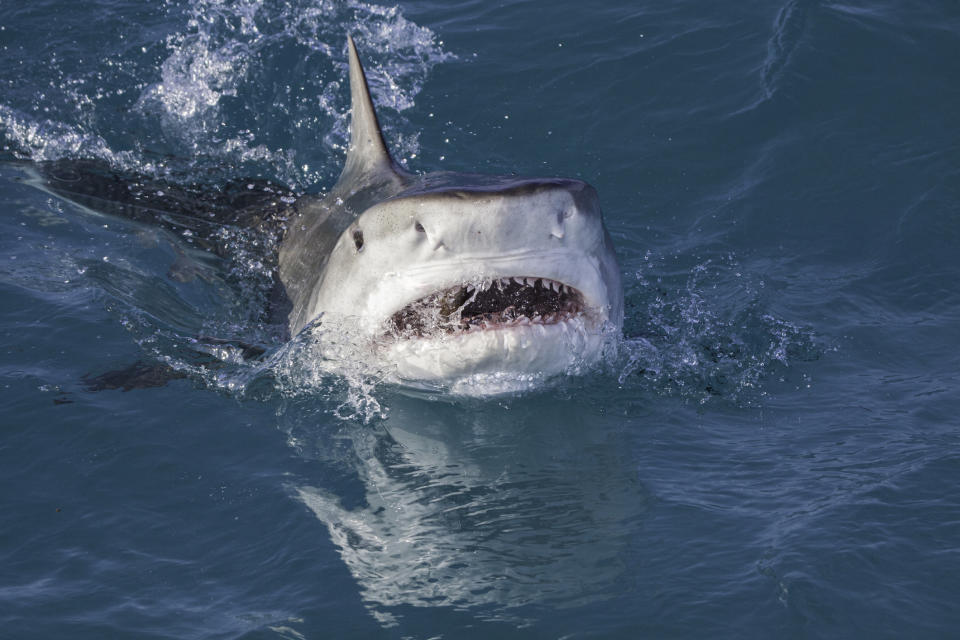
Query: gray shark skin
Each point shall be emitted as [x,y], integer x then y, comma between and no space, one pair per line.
[451,274]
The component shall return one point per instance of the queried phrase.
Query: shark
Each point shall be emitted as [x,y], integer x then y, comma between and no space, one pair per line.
[474,283]
[453,276]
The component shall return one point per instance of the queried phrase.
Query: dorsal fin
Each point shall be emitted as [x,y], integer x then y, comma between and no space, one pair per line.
[368,159]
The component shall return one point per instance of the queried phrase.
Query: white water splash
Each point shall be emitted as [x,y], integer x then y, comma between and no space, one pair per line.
[697,341]
[226,45]
[42,140]
[240,87]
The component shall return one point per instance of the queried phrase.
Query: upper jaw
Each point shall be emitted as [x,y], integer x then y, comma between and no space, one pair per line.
[373,299]
[490,304]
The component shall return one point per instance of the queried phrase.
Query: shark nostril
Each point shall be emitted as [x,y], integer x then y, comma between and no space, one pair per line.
[358,239]
[419,227]
[556,229]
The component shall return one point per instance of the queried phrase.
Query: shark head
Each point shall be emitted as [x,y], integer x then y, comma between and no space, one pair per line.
[453,277]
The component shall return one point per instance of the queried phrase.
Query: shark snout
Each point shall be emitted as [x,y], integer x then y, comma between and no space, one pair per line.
[493,224]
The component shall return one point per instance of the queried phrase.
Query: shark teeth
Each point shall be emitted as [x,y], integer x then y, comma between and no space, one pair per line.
[498,303]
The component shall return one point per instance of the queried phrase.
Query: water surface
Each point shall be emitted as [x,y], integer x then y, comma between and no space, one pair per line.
[773,451]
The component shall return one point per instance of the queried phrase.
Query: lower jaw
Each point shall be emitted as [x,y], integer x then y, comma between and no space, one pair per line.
[498,360]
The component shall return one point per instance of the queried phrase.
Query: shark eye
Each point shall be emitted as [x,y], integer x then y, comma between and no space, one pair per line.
[419,227]
[358,239]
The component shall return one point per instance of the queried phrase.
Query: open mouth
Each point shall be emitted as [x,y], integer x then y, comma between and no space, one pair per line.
[492,304]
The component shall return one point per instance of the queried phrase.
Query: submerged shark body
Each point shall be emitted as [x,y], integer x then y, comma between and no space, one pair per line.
[478,283]
[492,523]
[452,276]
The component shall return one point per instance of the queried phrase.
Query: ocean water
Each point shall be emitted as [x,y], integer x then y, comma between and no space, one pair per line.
[773,452]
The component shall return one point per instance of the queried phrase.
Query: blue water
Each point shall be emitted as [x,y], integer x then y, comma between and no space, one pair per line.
[774,452]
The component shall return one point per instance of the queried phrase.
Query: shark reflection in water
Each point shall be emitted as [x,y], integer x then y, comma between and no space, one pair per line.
[498,512]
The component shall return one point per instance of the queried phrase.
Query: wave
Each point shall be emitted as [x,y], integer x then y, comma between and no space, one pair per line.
[789,28]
